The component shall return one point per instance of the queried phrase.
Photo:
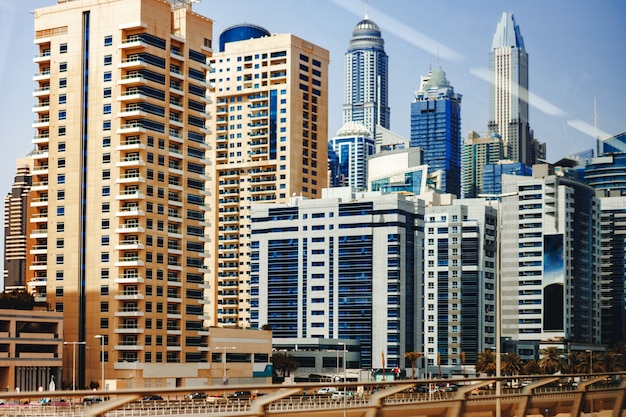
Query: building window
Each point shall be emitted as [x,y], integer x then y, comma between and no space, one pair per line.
[61,195]
[63,48]
[61,130]
[60,227]
[104,257]
[106,125]
[106,191]
[62,115]
[108,40]
[62,98]
[60,211]
[63,67]
[108,76]
[106,93]
[59,260]
[62,82]
[61,179]
[104,323]
[108,59]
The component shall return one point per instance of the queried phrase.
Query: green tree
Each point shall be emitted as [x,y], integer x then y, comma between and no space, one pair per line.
[531,367]
[284,364]
[17,300]
[511,364]
[552,361]
[486,363]
[412,356]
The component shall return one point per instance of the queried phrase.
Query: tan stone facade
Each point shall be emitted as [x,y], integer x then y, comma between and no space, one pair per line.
[271,142]
[31,349]
[118,195]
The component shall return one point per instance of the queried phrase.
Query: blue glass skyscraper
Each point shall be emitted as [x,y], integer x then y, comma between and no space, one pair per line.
[366,78]
[436,128]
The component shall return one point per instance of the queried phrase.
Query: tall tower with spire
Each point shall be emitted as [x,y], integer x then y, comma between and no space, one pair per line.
[436,128]
[366,78]
[508,106]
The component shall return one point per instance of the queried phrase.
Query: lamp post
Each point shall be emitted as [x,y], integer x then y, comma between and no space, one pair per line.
[74,361]
[345,380]
[101,337]
[499,297]
[225,376]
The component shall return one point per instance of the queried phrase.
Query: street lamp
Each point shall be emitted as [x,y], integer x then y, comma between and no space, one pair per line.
[345,380]
[499,297]
[74,361]
[590,361]
[101,337]
[224,376]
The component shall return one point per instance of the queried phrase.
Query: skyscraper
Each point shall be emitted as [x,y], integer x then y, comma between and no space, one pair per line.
[477,152]
[508,105]
[436,128]
[271,107]
[118,193]
[551,252]
[459,283]
[16,226]
[366,78]
[351,147]
[341,267]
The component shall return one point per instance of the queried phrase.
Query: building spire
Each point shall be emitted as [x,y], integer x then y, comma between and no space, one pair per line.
[367,9]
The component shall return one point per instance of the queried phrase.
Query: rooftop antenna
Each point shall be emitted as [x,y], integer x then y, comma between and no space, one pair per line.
[595,126]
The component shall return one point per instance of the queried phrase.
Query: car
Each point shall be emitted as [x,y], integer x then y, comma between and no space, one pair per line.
[339,395]
[152,398]
[326,390]
[196,396]
[92,399]
[240,395]
[216,399]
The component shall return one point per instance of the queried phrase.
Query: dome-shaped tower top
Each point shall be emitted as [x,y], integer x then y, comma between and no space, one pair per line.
[366,34]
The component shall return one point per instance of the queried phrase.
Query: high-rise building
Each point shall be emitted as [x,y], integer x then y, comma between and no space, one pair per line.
[436,128]
[459,284]
[492,175]
[366,78]
[351,147]
[271,142]
[613,270]
[398,171]
[550,240]
[118,186]
[477,152]
[345,266]
[508,104]
[16,227]
[606,173]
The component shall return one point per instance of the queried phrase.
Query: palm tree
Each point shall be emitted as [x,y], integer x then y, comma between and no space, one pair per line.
[511,364]
[531,367]
[486,363]
[552,361]
[583,363]
[412,356]
[284,364]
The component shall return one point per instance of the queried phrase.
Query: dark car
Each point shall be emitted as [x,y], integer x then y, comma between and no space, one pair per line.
[92,400]
[152,398]
[240,395]
[196,396]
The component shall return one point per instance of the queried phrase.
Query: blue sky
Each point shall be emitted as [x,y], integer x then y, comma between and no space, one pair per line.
[576,54]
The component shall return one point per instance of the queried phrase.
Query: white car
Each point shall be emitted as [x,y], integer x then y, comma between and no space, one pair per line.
[327,390]
[338,395]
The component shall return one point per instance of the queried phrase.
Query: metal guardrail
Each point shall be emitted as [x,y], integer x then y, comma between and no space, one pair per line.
[600,396]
